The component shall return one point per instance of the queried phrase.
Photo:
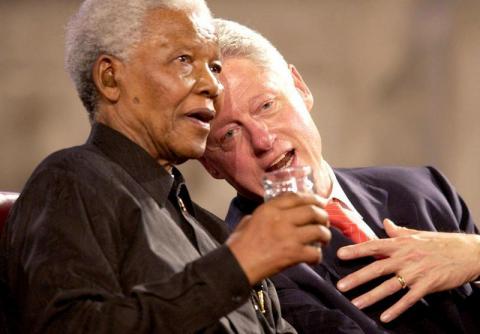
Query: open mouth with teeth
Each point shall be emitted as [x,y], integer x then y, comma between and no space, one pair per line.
[284,161]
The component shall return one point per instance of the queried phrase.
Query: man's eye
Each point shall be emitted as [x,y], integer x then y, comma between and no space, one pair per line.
[230,138]
[216,68]
[185,59]
[267,105]
[229,134]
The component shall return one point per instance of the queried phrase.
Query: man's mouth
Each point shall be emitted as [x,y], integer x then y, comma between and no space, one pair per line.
[202,115]
[284,161]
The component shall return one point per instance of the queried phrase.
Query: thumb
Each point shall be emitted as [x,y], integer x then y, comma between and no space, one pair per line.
[395,231]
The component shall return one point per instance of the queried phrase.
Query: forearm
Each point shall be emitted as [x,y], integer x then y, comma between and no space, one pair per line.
[475,255]
[189,301]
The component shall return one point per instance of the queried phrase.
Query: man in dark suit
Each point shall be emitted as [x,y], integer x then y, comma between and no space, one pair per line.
[264,124]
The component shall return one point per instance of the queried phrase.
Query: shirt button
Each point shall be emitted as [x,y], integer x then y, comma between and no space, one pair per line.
[236,299]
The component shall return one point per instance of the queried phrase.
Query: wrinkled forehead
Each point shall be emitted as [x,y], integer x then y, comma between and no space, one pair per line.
[180,23]
[245,81]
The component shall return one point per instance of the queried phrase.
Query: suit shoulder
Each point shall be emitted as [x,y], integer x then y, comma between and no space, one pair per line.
[399,176]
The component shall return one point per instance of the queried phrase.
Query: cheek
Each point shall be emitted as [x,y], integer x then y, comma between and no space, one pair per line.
[185,70]
[234,164]
[169,88]
[302,127]
[246,170]
[151,92]
[242,156]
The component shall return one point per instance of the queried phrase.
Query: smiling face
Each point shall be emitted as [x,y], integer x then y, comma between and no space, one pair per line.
[262,124]
[168,86]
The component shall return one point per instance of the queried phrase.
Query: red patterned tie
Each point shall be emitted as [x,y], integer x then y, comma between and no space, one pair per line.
[344,220]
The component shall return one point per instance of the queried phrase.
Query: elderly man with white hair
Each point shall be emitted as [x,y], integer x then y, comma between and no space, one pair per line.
[399,279]
[104,237]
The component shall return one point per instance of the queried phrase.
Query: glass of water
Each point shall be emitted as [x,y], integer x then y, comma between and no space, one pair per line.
[291,179]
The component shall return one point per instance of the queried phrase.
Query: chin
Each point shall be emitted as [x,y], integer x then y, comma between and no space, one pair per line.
[197,152]
[180,161]
[191,153]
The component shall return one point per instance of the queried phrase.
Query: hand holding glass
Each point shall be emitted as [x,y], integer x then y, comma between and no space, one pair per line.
[292,179]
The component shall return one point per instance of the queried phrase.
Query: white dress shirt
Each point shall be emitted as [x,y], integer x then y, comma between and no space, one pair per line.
[339,195]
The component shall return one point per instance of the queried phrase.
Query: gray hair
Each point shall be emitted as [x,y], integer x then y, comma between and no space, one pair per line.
[238,41]
[110,27]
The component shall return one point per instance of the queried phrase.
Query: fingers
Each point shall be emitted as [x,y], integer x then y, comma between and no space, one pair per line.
[291,210]
[288,200]
[387,288]
[314,233]
[396,231]
[306,214]
[312,254]
[407,301]
[378,247]
[366,274]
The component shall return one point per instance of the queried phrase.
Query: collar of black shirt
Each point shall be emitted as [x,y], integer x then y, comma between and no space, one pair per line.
[135,161]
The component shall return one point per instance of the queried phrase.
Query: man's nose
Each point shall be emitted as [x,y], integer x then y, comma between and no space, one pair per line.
[208,84]
[261,137]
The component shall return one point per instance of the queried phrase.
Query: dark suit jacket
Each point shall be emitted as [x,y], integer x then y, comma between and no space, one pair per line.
[419,198]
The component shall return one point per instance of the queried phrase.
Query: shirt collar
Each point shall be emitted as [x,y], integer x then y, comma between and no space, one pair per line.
[337,191]
[134,160]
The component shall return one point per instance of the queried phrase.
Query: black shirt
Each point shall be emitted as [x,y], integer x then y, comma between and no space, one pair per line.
[104,240]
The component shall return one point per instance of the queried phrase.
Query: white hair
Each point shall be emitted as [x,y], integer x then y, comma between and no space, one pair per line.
[238,41]
[109,27]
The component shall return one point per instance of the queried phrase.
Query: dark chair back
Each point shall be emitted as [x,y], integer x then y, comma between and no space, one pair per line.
[6,201]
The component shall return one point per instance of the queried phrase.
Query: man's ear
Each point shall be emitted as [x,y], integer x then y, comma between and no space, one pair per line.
[105,77]
[301,87]
[215,173]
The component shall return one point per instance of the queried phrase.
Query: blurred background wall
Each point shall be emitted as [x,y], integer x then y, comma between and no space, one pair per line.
[395,83]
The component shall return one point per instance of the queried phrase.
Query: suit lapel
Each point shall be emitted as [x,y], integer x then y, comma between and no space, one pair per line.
[336,267]
[369,200]
[310,280]
[375,203]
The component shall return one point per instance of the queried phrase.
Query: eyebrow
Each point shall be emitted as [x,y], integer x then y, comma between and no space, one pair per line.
[193,47]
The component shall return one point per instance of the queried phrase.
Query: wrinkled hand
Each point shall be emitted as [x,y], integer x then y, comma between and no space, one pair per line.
[279,234]
[427,261]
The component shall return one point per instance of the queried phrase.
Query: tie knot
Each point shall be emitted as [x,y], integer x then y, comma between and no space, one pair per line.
[345,220]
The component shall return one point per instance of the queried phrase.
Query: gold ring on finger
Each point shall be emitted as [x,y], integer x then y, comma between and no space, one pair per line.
[402,281]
